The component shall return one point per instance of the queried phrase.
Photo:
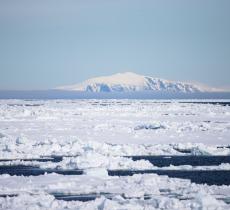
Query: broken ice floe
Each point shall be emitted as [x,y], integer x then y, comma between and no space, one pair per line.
[154,126]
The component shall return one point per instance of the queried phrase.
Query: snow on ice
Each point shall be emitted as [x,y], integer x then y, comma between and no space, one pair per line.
[95,135]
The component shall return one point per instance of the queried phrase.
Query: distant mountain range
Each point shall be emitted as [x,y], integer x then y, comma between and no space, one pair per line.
[132,82]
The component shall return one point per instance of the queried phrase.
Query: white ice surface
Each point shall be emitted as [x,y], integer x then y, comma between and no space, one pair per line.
[99,133]
[166,193]
[123,127]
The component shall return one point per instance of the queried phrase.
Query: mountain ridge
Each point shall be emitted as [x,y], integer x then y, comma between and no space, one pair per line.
[132,82]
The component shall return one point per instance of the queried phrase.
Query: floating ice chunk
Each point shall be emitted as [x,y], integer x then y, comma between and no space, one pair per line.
[154,126]
[6,148]
[206,201]
[91,160]
[26,201]
[99,172]
[21,140]
[200,149]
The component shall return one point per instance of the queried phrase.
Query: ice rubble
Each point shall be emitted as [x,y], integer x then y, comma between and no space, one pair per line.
[48,202]
[88,163]
[98,133]
[45,202]
[94,155]
[165,193]
[114,121]
[22,147]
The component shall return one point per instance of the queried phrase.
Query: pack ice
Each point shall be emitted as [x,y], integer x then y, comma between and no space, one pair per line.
[96,135]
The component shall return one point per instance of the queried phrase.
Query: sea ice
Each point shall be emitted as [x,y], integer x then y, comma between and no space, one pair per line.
[95,135]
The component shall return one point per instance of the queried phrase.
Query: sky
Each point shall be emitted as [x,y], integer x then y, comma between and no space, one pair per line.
[50,43]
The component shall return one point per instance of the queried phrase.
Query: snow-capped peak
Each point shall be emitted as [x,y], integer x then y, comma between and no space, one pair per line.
[129,81]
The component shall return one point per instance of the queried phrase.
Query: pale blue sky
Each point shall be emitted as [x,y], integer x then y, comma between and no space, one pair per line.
[48,43]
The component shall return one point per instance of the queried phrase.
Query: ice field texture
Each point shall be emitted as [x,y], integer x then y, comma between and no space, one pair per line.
[100,135]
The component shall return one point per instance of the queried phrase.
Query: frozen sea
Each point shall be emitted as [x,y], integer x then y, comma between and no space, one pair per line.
[96,136]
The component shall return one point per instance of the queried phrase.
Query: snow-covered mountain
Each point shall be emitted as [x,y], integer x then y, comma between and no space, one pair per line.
[128,81]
